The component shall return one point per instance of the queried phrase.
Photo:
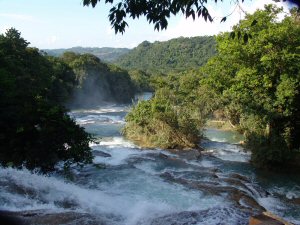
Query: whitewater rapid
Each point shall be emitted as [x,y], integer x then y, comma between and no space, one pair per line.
[127,185]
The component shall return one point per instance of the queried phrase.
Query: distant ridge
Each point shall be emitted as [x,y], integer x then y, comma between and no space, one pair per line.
[175,55]
[106,54]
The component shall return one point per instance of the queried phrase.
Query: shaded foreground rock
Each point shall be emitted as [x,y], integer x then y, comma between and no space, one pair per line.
[41,217]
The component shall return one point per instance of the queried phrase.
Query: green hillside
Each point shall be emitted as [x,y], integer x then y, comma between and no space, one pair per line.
[105,54]
[170,56]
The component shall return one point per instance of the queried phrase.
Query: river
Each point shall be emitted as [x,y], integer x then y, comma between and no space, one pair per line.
[128,185]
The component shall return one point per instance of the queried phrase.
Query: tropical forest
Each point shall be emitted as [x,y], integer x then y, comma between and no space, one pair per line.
[191,130]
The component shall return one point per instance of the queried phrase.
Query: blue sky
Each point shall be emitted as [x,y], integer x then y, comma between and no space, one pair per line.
[66,23]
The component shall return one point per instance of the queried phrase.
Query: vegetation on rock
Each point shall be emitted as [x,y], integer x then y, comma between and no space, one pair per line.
[173,118]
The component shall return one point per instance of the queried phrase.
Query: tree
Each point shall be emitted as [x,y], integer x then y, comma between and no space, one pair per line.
[174,117]
[156,12]
[260,88]
[36,131]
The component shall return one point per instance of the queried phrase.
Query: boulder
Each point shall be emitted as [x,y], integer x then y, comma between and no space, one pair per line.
[101,153]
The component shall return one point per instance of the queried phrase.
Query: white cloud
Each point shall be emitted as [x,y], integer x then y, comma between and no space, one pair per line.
[189,27]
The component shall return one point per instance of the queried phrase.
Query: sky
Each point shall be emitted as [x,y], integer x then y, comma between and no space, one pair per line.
[50,24]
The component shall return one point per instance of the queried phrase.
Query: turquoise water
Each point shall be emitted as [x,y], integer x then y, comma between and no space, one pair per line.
[128,185]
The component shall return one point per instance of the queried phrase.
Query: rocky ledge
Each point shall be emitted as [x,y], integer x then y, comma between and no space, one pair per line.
[267,218]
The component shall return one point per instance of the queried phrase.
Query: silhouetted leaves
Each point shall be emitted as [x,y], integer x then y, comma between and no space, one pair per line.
[223,19]
[156,12]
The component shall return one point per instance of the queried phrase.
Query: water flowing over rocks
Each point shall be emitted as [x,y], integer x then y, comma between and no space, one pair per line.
[229,215]
[127,185]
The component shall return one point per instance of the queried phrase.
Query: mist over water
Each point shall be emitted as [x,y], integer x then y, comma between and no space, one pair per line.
[128,185]
[93,91]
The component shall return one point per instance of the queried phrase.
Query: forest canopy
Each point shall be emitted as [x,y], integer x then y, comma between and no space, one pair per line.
[176,55]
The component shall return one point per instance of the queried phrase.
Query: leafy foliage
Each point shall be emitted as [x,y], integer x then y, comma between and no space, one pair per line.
[36,131]
[141,80]
[260,88]
[174,117]
[176,55]
[254,83]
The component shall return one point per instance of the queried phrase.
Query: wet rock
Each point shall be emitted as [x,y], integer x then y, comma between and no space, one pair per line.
[12,187]
[240,177]
[162,156]
[67,204]
[267,218]
[136,160]
[202,174]
[172,162]
[101,153]
[100,165]
[237,196]
[42,217]
[220,216]
[246,184]
[295,201]
[190,154]
[240,185]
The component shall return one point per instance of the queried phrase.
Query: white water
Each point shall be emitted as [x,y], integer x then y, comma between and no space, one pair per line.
[143,198]
[130,189]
